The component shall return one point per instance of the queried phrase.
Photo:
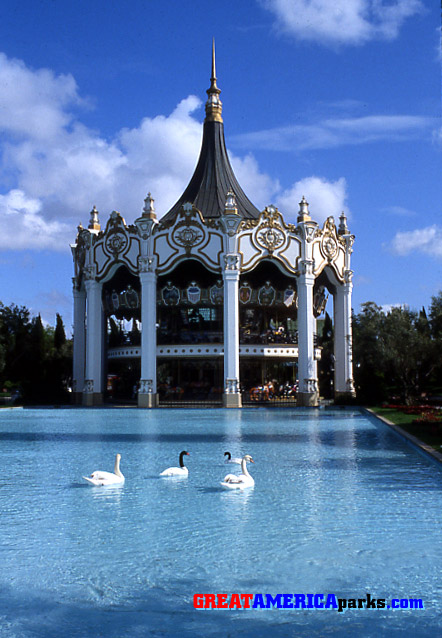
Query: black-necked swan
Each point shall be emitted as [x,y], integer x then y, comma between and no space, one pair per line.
[99,477]
[177,471]
[231,459]
[240,482]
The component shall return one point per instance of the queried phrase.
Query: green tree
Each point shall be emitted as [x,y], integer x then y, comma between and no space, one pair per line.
[59,334]
[368,354]
[34,358]
[394,354]
[15,328]
[409,354]
[435,321]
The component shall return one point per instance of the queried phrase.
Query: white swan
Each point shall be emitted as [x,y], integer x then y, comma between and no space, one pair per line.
[177,471]
[240,482]
[231,459]
[107,478]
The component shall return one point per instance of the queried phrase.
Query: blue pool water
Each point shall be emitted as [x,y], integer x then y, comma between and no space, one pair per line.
[341,505]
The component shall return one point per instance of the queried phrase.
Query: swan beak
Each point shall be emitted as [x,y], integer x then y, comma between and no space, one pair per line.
[252,461]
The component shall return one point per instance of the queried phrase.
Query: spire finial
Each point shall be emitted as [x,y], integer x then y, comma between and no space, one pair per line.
[304,215]
[213,61]
[214,106]
[149,209]
[343,228]
[94,223]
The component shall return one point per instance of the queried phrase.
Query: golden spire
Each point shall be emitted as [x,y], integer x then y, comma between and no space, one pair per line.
[214,106]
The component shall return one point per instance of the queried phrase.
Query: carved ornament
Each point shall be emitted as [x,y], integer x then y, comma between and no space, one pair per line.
[231,261]
[307,267]
[146,386]
[146,264]
[232,386]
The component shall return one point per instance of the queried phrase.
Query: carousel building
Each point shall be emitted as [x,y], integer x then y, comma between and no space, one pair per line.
[221,298]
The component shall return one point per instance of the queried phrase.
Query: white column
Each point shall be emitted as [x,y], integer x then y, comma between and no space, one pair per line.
[344,386]
[147,393]
[79,338]
[308,383]
[232,395]
[93,386]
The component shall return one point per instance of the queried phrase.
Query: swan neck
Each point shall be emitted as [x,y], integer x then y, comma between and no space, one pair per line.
[181,459]
[117,466]
[244,467]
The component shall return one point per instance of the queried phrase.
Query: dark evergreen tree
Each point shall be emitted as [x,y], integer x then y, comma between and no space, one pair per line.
[59,334]
[14,338]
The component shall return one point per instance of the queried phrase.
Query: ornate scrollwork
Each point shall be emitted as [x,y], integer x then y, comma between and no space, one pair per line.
[188,236]
[188,233]
[116,240]
[329,247]
[247,224]
[116,243]
[212,222]
[270,234]
[270,238]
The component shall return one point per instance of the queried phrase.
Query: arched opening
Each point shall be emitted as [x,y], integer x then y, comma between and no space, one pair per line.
[268,316]
[267,305]
[121,299]
[323,308]
[190,314]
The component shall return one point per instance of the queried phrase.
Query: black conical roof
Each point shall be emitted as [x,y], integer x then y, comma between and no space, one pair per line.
[213,179]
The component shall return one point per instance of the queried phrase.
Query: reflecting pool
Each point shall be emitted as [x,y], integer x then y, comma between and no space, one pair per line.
[341,505]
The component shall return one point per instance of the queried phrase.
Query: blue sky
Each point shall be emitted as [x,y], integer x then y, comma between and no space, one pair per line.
[339,101]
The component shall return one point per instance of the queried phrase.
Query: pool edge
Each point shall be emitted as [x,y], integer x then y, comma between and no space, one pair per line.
[427,449]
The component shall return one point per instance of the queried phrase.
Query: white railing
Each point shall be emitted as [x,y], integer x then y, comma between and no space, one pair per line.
[209,350]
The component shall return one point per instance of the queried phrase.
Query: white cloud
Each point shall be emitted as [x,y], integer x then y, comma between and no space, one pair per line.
[59,168]
[22,224]
[261,188]
[425,240]
[399,211]
[332,133]
[160,156]
[437,135]
[325,198]
[32,102]
[352,22]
